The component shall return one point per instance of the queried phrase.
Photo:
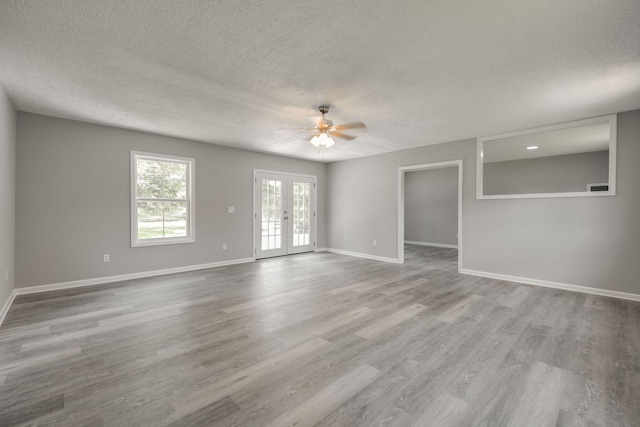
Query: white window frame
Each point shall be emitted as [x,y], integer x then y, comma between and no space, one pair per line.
[191,164]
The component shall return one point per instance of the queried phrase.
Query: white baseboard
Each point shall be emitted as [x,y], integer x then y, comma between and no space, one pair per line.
[555,285]
[437,245]
[361,255]
[123,277]
[7,305]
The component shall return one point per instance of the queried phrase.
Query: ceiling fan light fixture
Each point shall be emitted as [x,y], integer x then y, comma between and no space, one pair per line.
[325,129]
[322,139]
[326,140]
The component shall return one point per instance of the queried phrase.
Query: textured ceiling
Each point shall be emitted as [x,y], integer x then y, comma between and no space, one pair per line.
[583,138]
[251,74]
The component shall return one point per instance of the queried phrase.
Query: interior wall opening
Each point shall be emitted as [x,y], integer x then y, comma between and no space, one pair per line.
[430,208]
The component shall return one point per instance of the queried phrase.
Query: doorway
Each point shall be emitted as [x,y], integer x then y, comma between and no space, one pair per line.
[284,214]
[401,203]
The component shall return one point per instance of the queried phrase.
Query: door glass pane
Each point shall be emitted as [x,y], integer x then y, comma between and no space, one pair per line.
[271,237]
[301,213]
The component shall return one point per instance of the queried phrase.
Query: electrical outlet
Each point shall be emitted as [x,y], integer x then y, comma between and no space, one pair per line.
[232,209]
[375,243]
[224,246]
[105,258]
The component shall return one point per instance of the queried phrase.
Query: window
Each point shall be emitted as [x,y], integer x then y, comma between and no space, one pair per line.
[161,199]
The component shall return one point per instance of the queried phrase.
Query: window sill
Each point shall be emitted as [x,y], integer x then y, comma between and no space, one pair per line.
[161,242]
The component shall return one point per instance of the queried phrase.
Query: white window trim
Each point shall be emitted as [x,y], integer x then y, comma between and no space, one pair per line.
[191,166]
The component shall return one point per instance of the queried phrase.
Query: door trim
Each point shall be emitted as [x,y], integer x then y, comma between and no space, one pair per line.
[402,170]
[314,223]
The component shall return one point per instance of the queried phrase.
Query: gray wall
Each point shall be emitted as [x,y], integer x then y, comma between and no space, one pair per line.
[7,196]
[554,174]
[431,206]
[586,241]
[72,205]
[73,201]
[363,202]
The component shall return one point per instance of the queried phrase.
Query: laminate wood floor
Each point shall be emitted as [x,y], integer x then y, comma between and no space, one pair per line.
[321,339]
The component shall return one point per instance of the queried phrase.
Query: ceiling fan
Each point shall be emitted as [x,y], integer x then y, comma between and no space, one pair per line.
[325,130]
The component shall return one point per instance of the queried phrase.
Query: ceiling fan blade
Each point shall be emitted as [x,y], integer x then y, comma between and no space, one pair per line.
[339,134]
[354,125]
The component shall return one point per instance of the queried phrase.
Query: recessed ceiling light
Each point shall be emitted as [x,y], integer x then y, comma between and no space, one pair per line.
[532,147]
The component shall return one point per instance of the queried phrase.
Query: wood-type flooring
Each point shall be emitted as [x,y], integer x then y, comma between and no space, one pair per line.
[321,339]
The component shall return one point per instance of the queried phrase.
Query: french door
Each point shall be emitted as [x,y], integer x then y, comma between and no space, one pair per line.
[284,214]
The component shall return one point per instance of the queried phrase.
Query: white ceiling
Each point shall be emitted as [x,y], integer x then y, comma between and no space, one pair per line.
[584,138]
[251,74]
